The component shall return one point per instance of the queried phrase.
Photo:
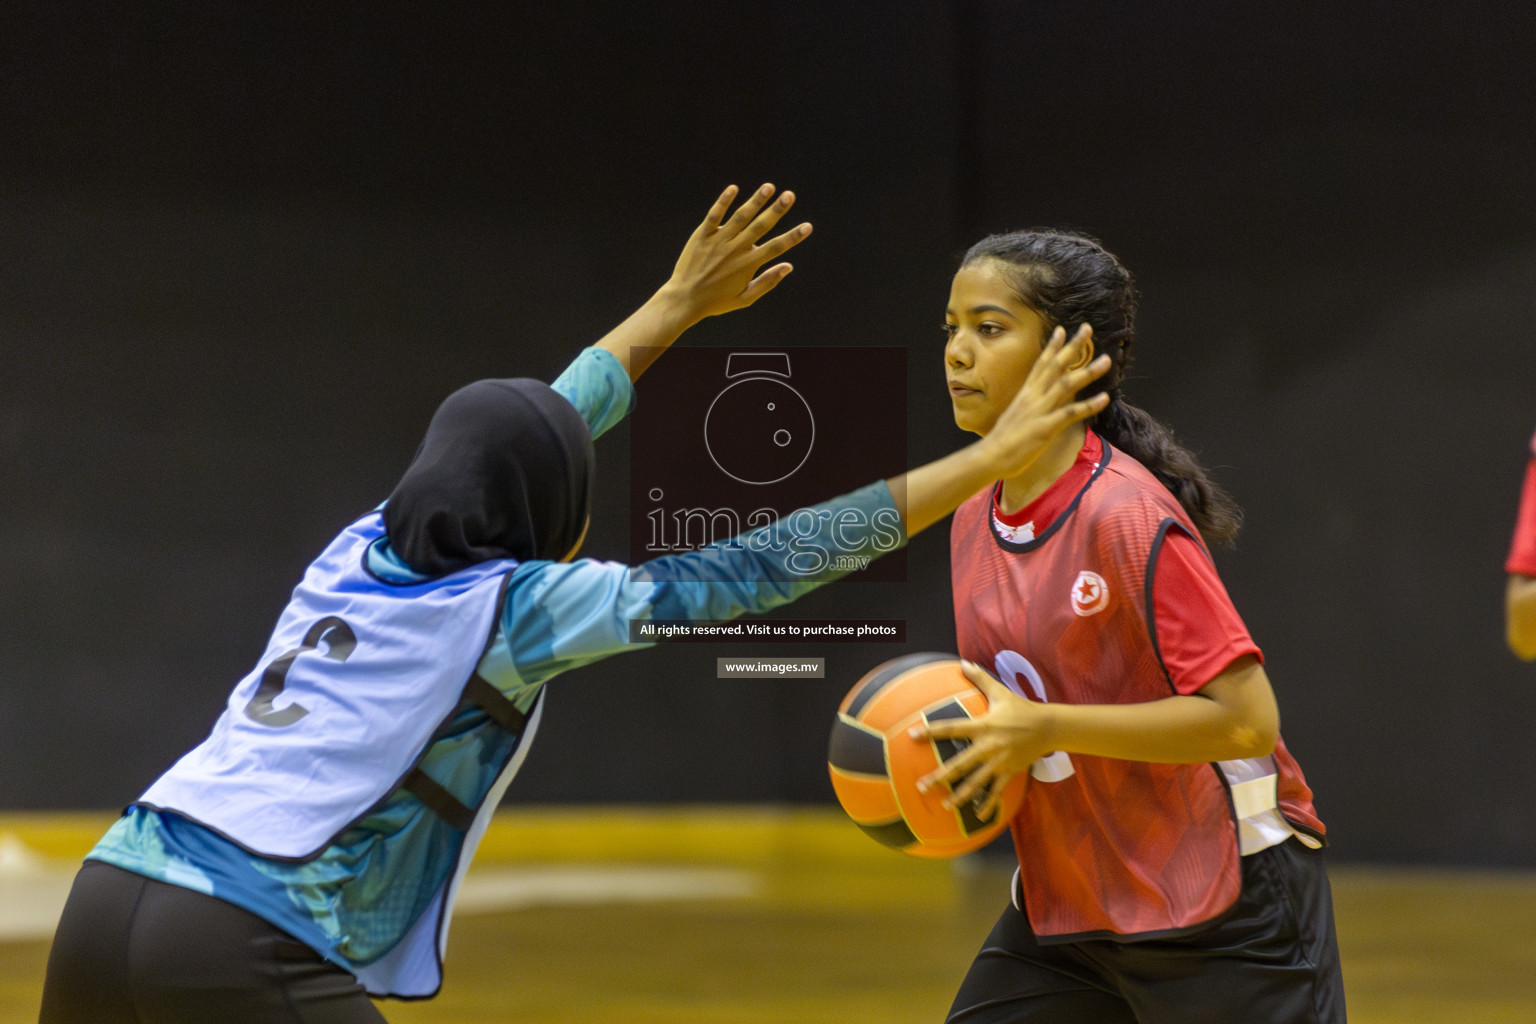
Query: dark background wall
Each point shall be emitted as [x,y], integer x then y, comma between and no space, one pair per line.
[246,251]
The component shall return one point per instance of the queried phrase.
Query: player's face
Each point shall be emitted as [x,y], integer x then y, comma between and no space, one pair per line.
[994,339]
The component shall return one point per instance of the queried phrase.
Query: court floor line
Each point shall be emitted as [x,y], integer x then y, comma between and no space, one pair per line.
[33,887]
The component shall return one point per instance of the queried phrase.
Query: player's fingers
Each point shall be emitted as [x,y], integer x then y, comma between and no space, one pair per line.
[1082,338]
[748,210]
[1056,385]
[1069,350]
[716,212]
[935,778]
[769,216]
[969,787]
[1046,364]
[1049,368]
[945,729]
[1075,412]
[981,678]
[956,767]
[1070,382]
[764,283]
[989,686]
[1073,353]
[1060,356]
[994,801]
[1081,377]
[776,247]
[989,805]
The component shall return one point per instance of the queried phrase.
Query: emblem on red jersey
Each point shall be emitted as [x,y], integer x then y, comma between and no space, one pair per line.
[1089,593]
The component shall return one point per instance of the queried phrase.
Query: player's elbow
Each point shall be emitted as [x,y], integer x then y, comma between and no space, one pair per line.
[1522,642]
[1253,739]
[1248,719]
[1520,616]
[1256,731]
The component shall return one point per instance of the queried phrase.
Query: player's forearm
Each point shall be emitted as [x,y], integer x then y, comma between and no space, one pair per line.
[1233,717]
[1174,730]
[647,332]
[773,565]
[929,493]
[1520,615]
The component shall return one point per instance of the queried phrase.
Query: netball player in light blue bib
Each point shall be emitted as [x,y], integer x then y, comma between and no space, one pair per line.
[305,856]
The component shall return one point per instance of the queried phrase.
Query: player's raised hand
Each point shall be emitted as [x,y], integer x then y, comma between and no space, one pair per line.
[719,269]
[1045,403]
[1006,740]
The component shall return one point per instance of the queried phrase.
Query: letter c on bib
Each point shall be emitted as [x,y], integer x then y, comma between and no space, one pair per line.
[340,643]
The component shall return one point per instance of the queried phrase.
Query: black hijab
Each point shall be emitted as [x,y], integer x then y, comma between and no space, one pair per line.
[505,471]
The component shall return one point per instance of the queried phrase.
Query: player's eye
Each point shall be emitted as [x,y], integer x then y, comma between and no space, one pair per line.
[988,330]
[950,329]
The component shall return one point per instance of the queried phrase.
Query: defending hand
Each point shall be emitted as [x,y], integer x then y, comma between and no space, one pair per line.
[1044,404]
[718,269]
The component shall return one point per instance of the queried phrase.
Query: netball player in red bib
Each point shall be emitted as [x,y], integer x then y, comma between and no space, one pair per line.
[1520,592]
[1169,852]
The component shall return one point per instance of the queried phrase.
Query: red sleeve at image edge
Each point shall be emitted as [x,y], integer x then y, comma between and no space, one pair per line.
[1522,550]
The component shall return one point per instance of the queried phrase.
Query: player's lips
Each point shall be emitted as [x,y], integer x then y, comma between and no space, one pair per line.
[958,390]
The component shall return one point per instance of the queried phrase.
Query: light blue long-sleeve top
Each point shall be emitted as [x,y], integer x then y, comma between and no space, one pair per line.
[360,896]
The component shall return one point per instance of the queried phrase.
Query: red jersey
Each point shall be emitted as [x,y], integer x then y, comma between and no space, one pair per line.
[1113,848]
[1522,550]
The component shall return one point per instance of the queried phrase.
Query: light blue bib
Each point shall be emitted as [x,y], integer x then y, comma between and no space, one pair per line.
[357,677]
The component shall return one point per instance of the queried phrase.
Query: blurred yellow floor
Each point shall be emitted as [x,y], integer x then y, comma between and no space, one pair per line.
[713,915]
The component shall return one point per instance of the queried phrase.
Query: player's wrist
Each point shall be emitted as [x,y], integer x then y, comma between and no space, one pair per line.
[1052,725]
[675,306]
[989,457]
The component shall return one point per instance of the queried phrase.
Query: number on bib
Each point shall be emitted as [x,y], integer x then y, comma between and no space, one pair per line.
[340,643]
[1010,667]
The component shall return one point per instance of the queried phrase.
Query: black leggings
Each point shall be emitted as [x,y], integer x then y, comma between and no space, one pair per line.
[130,950]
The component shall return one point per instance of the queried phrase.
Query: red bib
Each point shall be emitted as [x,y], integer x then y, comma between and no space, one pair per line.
[1107,848]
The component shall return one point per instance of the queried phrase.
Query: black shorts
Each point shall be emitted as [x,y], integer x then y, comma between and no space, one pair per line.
[130,950]
[1272,958]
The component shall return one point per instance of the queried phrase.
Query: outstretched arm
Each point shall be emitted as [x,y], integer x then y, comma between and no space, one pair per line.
[759,571]
[717,272]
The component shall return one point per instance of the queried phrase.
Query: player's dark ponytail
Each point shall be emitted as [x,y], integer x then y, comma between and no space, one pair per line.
[1070,279]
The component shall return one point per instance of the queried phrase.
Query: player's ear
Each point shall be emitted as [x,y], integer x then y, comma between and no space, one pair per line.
[1082,355]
